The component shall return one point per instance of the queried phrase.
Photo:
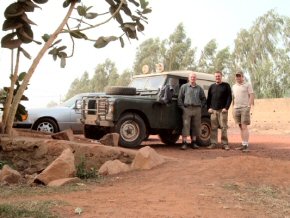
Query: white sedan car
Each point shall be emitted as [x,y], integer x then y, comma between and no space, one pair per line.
[55,119]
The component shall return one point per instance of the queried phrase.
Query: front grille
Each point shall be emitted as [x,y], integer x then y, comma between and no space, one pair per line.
[102,107]
[92,106]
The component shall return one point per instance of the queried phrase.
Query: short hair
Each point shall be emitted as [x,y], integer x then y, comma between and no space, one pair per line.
[219,72]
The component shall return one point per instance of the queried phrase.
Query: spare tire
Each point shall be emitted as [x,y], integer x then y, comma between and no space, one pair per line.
[120,90]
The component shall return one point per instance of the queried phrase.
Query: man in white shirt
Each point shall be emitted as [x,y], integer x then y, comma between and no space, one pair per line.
[243,102]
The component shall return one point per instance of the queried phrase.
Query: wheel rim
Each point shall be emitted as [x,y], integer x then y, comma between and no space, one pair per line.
[205,131]
[45,127]
[129,131]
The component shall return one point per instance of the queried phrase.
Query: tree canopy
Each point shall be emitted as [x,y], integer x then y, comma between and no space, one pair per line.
[78,23]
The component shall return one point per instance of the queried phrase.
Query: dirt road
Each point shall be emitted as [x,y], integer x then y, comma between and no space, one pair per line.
[194,183]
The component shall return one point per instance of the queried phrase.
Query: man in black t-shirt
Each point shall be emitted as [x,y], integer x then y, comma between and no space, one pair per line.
[218,103]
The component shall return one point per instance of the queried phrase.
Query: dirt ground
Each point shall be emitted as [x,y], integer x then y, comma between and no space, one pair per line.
[194,183]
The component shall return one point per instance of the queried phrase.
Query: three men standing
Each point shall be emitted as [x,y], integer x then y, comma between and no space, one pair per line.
[218,103]
[192,98]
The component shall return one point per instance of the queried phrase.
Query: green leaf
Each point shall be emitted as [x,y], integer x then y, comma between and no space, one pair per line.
[81,10]
[45,37]
[25,34]
[21,76]
[56,42]
[122,42]
[62,62]
[134,2]
[61,48]
[29,6]
[91,15]
[8,42]
[40,1]
[11,24]
[14,10]
[144,4]
[66,3]
[26,19]
[140,27]
[147,11]
[78,34]
[25,53]
[62,55]
[103,41]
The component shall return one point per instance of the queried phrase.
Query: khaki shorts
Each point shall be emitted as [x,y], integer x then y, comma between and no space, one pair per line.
[242,115]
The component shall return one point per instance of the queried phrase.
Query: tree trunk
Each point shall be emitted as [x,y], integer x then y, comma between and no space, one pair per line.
[9,97]
[23,86]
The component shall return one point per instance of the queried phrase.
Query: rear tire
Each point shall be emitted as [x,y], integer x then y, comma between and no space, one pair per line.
[205,130]
[169,137]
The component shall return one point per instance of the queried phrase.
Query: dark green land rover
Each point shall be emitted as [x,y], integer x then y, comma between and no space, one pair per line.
[135,112]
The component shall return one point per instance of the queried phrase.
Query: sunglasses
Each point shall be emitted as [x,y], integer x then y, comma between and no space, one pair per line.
[238,75]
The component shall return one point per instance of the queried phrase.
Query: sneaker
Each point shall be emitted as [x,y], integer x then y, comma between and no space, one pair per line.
[184,146]
[241,147]
[226,147]
[212,146]
[194,145]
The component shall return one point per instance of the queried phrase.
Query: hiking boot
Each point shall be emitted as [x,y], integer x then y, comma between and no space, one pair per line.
[226,147]
[212,146]
[183,146]
[245,148]
[194,145]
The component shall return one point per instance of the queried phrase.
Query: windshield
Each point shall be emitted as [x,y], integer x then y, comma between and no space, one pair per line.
[148,83]
[71,102]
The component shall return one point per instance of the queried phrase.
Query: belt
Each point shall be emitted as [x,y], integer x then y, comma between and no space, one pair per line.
[192,106]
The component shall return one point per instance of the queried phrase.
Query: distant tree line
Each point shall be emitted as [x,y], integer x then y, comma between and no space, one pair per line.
[105,75]
[262,52]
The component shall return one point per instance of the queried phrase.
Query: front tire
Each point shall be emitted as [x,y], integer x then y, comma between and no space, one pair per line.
[205,130]
[169,137]
[47,125]
[92,132]
[132,130]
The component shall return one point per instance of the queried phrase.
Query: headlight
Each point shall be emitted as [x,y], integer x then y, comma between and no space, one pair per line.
[109,115]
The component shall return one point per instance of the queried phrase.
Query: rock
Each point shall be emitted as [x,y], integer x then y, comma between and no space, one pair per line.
[62,182]
[8,175]
[111,139]
[147,158]
[62,167]
[113,167]
[64,135]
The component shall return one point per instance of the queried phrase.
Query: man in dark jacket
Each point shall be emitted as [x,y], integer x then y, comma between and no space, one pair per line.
[218,103]
[191,99]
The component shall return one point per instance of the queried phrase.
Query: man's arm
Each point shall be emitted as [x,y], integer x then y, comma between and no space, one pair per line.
[229,97]
[208,100]
[251,99]
[181,97]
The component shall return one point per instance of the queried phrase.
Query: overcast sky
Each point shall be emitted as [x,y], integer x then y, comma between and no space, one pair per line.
[203,20]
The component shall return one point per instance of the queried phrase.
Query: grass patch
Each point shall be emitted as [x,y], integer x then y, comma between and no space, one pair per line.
[84,173]
[231,187]
[275,200]
[5,162]
[34,209]
[25,190]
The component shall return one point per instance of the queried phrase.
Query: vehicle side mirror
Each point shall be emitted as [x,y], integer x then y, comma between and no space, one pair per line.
[78,104]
